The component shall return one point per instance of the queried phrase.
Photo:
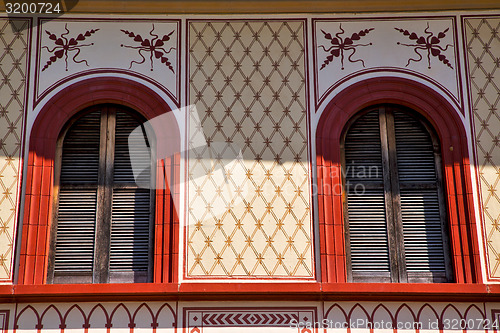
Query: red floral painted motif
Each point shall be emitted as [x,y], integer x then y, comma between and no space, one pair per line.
[340,45]
[429,44]
[153,46]
[65,45]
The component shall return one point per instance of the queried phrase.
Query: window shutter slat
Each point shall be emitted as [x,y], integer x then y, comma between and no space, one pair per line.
[104,215]
[415,151]
[130,230]
[420,208]
[368,231]
[76,215]
[422,231]
[131,205]
[369,251]
[75,231]
[80,158]
[363,154]
[127,140]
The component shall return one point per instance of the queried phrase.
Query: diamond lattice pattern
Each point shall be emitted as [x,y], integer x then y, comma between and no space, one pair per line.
[249,209]
[13,61]
[483,46]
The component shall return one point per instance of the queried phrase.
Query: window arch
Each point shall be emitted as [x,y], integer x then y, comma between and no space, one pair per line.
[103,228]
[395,215]
[40,193]
[456,178]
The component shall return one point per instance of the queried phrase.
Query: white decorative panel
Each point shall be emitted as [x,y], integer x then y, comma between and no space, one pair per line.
[146,49]
[423,47]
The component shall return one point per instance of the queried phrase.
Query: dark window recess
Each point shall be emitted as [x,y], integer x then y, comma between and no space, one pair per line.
[103,228]
[394,209]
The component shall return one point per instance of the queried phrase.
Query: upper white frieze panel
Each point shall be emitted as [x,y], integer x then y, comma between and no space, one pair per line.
[422,47]
[69,48]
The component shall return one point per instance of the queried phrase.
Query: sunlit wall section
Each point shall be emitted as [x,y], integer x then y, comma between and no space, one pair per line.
[249,201]
[14,41]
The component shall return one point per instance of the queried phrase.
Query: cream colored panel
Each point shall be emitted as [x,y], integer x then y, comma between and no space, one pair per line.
[483,45]
[249,209]
[13,61]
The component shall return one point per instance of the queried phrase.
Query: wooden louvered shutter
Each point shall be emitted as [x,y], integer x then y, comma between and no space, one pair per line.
[76,217]
[367,244]
[102,230]
[395,217]
[130,249]
[422,205]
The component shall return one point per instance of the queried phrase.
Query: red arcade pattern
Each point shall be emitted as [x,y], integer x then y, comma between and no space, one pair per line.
[406,317]
[401,317]
[100,315]
[4,320]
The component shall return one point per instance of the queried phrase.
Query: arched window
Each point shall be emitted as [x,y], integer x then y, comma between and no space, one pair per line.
[102,228]
[52,125]
[394,209]
[434,119]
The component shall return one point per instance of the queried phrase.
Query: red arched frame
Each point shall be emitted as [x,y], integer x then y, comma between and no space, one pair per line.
[40,172]
[457,176]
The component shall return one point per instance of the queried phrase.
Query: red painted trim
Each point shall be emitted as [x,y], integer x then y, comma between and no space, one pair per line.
[448,124]
[303,291]
[86,73]
[42,147]
[389,70]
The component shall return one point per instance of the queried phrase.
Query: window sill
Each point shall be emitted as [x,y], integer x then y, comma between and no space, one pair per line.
[278,291]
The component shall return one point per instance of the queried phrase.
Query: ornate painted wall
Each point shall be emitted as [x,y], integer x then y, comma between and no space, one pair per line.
[15,39]
[483,44]
[254,89]
[257,89]
[68,49]
[425,48]
[252,317]
[247,80]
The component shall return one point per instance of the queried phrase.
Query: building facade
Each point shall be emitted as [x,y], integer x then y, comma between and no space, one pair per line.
[281,166]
